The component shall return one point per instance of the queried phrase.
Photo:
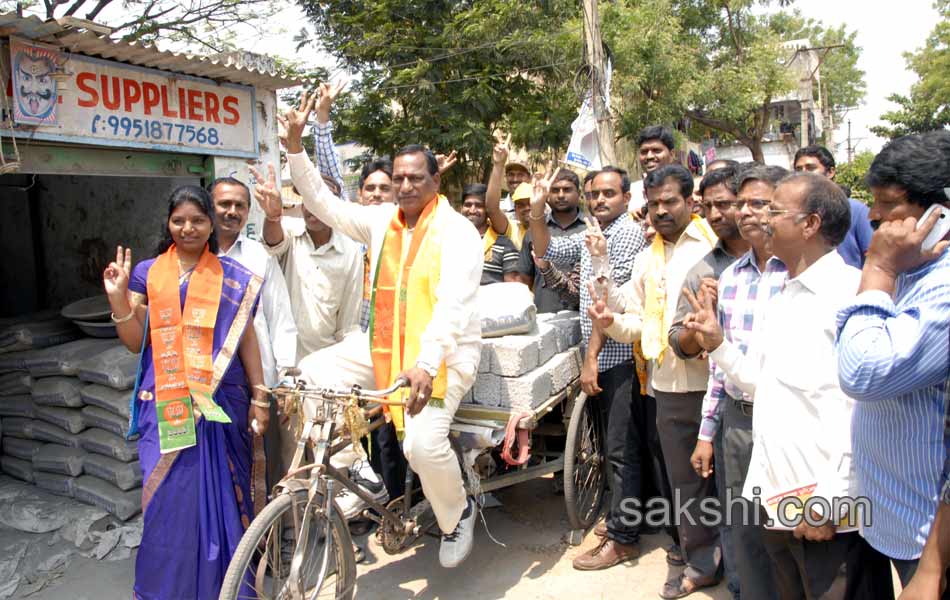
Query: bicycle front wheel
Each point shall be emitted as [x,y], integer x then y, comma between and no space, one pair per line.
[261,566]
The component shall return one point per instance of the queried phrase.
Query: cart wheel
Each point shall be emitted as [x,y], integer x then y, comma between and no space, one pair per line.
[584,463]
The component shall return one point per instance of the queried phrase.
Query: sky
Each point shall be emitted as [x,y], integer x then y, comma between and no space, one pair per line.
[885,32]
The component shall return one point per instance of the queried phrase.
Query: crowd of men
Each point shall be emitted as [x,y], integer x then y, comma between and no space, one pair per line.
[750,339]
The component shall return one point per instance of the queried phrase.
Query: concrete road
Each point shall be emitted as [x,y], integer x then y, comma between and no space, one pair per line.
[536,564]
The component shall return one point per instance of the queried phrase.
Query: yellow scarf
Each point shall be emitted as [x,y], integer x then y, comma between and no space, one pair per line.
[403,301]
[488,240]
[656,325]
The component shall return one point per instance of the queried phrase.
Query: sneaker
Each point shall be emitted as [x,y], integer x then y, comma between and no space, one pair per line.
[456,546]
[351,505]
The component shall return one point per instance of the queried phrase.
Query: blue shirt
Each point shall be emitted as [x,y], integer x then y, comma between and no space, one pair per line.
[855,244]
[894,359]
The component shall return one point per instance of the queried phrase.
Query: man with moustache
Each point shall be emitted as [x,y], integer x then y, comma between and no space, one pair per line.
[649,304]
[564,219]
[427,264]
[802,418]
[717,192]
[501,257]
[608,371]
[744,288]
[274,321]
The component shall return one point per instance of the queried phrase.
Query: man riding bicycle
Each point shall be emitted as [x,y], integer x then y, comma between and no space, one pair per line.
[426,265]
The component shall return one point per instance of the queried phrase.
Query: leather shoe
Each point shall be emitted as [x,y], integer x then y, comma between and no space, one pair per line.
[600,530]
[607,554]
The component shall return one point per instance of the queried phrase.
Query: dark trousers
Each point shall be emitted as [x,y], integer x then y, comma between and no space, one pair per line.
[843,568]
[742,538]
[656,482]
[622,444]
[905,572]
[387,459]
[725,532]
[677,421]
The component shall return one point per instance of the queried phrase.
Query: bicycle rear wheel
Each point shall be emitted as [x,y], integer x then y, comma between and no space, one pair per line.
[261,566]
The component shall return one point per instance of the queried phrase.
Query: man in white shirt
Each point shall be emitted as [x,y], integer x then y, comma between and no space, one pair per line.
[655,147]
[323,269]
[423,237]
[650,299]
[801,457]
[274,321]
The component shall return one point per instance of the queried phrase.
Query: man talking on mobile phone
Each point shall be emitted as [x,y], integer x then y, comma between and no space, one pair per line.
[893,349]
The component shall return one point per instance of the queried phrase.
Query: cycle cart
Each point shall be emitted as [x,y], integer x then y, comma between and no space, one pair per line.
[299,546]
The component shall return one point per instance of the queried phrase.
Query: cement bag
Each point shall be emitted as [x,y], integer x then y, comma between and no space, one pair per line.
[53,458]
[47,432]
[115,368]
[55,483]
[108,444]
[103,419]
[58,391]
[15,361]
[103,494]
[17,406]
[18,428]
[14,467]
[114,401]
[506,309]
[124,476]
[70,419]
[22,449]
[65,359]
[38,334]
[15,384]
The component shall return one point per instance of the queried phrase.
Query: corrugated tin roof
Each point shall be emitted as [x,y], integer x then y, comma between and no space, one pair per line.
[239,68]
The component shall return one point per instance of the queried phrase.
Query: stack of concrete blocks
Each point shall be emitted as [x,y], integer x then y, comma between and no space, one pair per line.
[520,372]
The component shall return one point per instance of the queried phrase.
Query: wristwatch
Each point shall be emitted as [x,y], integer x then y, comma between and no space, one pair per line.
[432,371]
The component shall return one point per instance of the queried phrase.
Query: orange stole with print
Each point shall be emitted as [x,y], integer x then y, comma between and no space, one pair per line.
[182,346]
[399,316]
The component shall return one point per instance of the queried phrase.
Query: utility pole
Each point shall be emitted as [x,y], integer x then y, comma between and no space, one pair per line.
[850,149]
[595,53]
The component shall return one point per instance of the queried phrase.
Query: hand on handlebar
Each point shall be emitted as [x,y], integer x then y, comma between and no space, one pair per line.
[420,389]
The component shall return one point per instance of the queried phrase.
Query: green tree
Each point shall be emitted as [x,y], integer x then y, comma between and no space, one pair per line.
[852,175]
[449,73]
[718,63]
[928,105]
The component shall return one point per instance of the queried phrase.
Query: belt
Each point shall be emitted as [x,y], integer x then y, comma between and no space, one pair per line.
[742,406]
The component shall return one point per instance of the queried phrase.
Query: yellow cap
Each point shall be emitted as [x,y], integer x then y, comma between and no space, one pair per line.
[522,192]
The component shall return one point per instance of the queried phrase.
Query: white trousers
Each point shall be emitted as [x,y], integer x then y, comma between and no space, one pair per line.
[426,443]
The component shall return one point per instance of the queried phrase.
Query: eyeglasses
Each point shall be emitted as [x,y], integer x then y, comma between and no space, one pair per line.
[754,204]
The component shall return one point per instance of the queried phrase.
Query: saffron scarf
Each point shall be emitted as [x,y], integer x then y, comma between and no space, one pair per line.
[182,346]
[403,300]
[656,324]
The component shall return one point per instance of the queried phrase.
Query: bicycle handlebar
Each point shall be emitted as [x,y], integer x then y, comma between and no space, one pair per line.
[343,393]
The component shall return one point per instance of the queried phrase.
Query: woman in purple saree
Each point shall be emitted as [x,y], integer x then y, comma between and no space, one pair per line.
[200,493]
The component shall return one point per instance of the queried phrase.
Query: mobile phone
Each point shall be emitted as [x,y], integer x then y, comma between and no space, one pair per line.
[940,229]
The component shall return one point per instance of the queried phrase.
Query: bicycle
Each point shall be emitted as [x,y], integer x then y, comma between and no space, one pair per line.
[299,546]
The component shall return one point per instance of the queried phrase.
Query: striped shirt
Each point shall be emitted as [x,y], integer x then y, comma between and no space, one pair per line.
[328,162]
[504,260]
[624,242]
[894,359]
[743,292]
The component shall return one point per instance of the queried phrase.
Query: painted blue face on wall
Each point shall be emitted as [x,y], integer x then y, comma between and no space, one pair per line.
[35,86]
